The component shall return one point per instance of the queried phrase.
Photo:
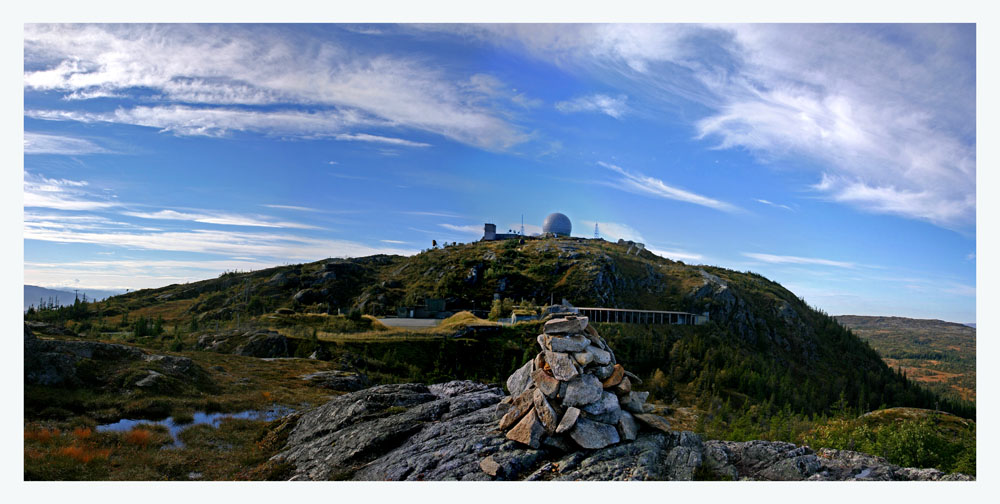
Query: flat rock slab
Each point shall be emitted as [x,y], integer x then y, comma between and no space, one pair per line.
[490,466]
[568,420]
[593,435]
[654,421]
[617,374]
[566,344]
[562,366]
[583,390]
[545,382]
[568,325]
[583,358]
[601,357]
[634,401]
[603,372]
[605,410]
[528,431]
[546,413]
[518,408]
[624,387]
[519,381]
[627,426]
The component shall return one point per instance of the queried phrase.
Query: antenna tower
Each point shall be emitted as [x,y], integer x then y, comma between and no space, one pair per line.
[597,232]
[522,224]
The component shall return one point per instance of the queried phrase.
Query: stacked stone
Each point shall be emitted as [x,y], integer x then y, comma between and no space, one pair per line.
[574,390]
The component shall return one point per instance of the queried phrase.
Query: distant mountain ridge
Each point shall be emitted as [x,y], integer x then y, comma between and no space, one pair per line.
[940,355]
[34,294]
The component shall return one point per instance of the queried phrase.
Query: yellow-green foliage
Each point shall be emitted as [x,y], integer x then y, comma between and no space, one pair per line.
[911,438]
[460,320]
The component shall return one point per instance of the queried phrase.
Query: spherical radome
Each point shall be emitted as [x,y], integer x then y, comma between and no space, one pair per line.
[557,224]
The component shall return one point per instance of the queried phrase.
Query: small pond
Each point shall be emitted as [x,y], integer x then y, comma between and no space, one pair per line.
[200,417]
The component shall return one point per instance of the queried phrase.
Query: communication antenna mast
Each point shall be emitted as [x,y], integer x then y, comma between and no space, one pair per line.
[522,224]
[597,232]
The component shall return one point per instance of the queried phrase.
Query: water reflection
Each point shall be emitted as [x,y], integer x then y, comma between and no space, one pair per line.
[200,418]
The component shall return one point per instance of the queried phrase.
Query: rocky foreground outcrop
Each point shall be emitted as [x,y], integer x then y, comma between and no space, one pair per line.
[449,431]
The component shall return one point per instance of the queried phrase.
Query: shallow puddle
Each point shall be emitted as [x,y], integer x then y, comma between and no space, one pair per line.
[200,418]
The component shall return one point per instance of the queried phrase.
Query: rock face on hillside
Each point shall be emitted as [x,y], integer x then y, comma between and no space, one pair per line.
[254,343]
[449,431]
[57,363]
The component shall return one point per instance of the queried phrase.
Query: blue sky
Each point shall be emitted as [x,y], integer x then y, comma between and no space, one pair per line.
[838,160]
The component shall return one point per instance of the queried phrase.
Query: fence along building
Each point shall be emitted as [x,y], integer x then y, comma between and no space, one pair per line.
[627,316]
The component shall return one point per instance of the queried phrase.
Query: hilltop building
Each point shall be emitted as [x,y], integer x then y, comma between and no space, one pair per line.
[556,224]
[490,233]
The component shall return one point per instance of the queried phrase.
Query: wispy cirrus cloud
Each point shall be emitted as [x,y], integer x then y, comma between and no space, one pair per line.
[229,65]
[278,247]
[613,106]
[215,122]
[61,194]
[434,213]
[364,137]
[651,186]
[886,113]
[466,229]
[787,259]
[221,218]
[776,205]
[43,143]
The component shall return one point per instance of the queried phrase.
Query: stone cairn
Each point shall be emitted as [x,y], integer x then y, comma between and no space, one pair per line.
[574,390]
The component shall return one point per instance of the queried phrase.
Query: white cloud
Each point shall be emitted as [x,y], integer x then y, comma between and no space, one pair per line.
[785,259]
[258,65]
[889,110]
[612,106]
[60,194]
[41,143]
[677,255]
[275,246]
[435,213]
[221,218]
[650,186]
[364,137]
[397,242]
[468,229]
[776,205]
[195,121]
[612,231]
[529,229]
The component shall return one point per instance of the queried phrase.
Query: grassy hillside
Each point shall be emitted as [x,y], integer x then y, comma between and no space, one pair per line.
[939,355]
[763,345]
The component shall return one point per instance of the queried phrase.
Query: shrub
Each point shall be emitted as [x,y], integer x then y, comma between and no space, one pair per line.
[138,437]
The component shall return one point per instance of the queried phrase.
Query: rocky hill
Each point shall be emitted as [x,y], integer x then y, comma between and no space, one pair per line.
[763,345]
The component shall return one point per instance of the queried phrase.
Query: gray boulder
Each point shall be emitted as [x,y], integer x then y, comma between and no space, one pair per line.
[337,380]
[264,344]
